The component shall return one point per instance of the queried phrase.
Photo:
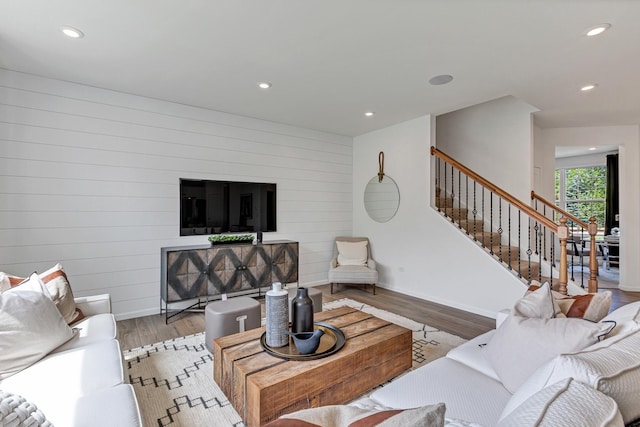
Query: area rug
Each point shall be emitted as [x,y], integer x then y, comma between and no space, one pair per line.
[173,380]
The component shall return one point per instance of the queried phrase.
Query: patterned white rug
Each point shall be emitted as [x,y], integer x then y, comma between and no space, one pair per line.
[173,380]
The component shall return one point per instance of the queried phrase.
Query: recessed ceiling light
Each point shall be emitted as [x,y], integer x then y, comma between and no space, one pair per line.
[598,29]
[264,85]
[442,79]
[74,33]
[369,113]
[587,88]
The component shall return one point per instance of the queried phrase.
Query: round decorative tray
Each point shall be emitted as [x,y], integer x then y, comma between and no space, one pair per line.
[332,341]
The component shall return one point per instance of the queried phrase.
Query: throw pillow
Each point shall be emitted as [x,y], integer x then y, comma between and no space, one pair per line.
[32,283]
[537,303]
[520,345]
[345,416]
[352,253]
[8,281]
[611,366]
[59,289]
[30,327]
[627,318]
[592,307]
[566,403]
[15,410]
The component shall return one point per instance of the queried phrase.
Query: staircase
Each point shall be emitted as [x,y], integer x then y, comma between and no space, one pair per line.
[491,241]
[531,244]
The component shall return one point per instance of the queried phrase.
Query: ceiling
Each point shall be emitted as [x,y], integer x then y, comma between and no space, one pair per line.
[330,61]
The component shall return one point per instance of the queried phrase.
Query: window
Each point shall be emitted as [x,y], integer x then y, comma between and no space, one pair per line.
[581,192]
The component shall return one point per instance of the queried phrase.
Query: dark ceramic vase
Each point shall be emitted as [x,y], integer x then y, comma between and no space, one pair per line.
[302,312]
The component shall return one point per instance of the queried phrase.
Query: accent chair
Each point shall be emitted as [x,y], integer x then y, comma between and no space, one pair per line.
[352,263]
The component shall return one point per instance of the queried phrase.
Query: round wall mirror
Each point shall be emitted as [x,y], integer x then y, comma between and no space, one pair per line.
[381,199]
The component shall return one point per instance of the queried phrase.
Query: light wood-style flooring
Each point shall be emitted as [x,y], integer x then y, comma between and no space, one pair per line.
[151,329]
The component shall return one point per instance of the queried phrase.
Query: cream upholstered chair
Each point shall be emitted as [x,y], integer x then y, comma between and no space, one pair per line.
[352,263]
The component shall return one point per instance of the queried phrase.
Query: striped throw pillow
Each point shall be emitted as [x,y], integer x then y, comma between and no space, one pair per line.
[59,289]
[351,416]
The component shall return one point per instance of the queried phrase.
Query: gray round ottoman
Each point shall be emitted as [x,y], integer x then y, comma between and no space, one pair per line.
[226,317]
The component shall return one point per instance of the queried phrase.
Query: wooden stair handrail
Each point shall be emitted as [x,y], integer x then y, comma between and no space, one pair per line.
[560,230]
[561,211]
[592,229]
[499,191]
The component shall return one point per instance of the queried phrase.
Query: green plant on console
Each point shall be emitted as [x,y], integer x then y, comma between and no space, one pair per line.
[230,238]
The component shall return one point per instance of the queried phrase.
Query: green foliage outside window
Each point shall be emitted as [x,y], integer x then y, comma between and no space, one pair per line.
[584,192]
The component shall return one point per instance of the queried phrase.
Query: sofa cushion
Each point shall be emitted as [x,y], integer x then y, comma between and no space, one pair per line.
[520,345]
[99,327]
[344,415]
[566,403]
[352,253]
[112,406]
[471,353]
[78,371]
[30,328]
[468,394]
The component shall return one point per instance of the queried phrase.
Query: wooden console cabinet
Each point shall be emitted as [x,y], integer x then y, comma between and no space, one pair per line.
[203,271]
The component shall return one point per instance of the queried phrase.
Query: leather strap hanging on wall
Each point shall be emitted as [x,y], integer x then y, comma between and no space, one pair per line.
[380,166]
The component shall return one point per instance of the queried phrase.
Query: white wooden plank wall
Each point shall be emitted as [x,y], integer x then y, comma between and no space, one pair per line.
[89,178]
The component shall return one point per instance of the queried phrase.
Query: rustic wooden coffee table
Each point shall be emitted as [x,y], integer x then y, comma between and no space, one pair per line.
[262,387]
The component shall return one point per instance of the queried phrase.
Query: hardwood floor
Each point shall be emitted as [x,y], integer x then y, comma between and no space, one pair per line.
[151,329]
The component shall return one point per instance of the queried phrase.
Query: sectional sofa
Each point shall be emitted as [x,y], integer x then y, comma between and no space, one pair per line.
[537,368]
[55,373]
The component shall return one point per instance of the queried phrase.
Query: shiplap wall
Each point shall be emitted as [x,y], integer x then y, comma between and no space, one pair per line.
[89,177]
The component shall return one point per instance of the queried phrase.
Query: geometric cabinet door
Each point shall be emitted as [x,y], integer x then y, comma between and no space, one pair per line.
[190,272]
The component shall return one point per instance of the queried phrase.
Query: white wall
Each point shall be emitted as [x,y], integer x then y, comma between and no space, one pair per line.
[418,252]
[89,177]
[628,139]
[494,139]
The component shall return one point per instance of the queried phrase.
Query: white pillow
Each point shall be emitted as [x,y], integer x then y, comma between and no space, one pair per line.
[627,318]
[15,410]
[537,304]
[566,403]
[352,253]
[30,327]
[5,285]
[32,283]
[520,345]
[612,366]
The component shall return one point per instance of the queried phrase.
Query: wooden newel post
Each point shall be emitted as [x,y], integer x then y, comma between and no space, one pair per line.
[592,229]
[563,235]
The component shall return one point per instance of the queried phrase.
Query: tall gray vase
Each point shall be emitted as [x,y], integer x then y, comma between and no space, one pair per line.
[302,312]
[277,307]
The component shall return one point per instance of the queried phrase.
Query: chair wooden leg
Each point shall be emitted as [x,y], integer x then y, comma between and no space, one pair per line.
[374,288]
[331,287]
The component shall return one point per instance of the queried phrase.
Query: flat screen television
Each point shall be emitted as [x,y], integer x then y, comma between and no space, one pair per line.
[214,207]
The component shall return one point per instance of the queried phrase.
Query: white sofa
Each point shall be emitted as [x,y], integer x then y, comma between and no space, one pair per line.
[82,382]
[595,386]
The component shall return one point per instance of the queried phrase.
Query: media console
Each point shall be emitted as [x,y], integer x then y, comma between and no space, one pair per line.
[205,272]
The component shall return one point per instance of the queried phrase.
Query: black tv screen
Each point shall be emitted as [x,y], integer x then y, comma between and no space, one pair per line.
[214,207]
